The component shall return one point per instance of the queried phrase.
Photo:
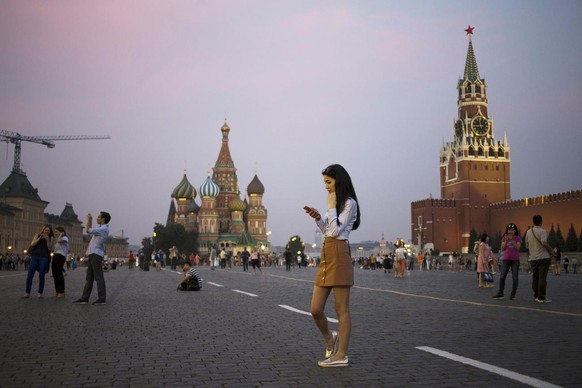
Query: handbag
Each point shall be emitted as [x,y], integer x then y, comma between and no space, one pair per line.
[487,277]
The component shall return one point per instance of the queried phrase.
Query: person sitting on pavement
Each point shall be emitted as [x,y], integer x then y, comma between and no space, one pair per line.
[191,281]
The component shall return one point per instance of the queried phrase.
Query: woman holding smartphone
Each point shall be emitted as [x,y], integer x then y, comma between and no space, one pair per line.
[335,271]
[40,256]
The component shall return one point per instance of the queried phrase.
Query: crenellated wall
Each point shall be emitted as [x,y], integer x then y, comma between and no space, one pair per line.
[561,209]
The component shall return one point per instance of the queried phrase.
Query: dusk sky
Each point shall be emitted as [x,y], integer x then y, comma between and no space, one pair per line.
[370,85]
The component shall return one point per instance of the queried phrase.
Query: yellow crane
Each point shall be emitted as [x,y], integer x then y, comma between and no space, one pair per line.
[16,139]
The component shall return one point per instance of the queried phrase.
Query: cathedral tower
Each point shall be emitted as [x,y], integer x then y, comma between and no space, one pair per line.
[225,177]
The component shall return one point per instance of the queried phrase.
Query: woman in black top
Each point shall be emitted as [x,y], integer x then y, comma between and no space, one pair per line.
[40,255]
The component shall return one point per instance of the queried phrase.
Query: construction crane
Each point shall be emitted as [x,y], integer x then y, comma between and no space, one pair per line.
[16,139]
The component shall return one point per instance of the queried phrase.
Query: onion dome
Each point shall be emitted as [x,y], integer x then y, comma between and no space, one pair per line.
[193,207]
[237,205]
[184,189]
[255,187]
[209,188]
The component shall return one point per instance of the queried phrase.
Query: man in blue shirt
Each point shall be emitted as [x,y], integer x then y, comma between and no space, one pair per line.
[95,253]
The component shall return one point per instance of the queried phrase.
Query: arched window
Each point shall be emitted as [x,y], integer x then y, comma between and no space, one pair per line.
[480,151]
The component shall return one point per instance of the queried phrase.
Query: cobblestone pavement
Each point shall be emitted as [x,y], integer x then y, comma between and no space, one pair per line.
[429,329]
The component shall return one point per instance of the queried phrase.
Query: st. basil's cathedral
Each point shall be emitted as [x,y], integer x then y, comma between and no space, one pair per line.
[223,219]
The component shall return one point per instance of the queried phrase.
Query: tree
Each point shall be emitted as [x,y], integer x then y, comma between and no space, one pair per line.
[296,246]
[147,247]
[175,235]
[496,242]
[580,242]
[552,238]
[571,240]
[560,238]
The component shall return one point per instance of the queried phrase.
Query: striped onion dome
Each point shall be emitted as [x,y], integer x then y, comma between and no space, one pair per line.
[236,204]
[209,188]
[184,189]
[255,187]
[193,207]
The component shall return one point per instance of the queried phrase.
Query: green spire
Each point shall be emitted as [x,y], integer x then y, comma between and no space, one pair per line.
[471,69]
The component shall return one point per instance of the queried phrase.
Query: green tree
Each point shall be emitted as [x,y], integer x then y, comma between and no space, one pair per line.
[571,240]
[147,246]
[552,238]
[580,242]
[295,246]
[496,242]
[560,238]
[175,234]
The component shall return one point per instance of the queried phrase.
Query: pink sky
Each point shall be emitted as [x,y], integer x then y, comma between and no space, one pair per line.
[370,85]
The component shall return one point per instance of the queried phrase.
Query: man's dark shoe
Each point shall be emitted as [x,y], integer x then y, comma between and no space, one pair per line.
[99,302]
[512,297]
[498,296]
[81,301]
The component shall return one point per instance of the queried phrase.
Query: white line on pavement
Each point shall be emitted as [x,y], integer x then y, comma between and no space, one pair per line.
[490,368]
[246,293]
[304,312]
[214,284]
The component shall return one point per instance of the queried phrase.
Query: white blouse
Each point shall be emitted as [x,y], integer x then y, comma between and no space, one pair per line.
[328,224]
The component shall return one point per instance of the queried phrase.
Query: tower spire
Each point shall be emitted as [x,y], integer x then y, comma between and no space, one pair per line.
[471,69]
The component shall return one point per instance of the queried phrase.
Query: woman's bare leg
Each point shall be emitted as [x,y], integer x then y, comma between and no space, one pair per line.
[318,300]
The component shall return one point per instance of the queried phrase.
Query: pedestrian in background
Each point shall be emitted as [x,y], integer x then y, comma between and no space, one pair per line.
[483,261]
[540,253]
[335,271]
[566,263]
[95,253]
[173,258]
[558,257]
[399,259]
[256,261]
[40,256]
[245,255]
[131,260]
[510,245]
[61,251]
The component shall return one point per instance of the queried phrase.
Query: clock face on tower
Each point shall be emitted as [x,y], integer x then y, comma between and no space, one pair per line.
[459,128]
[480,126]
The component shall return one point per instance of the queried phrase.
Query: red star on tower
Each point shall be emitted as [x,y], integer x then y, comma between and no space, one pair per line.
[469,30]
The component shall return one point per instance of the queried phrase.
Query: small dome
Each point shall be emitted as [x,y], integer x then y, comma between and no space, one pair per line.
[255,187]
[209,188]
[193,207]
[184,189]
[237,205]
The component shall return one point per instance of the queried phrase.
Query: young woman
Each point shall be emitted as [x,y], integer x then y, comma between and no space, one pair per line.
[335,271]
[40,255]
[59,258]
[482,260]
[510,244]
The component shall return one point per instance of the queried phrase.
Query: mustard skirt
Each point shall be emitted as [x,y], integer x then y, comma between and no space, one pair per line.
[335,267]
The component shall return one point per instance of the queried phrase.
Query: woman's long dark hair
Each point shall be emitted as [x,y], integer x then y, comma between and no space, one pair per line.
[343,189]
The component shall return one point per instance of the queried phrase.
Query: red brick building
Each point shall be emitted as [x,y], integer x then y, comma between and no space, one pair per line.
[475,180]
